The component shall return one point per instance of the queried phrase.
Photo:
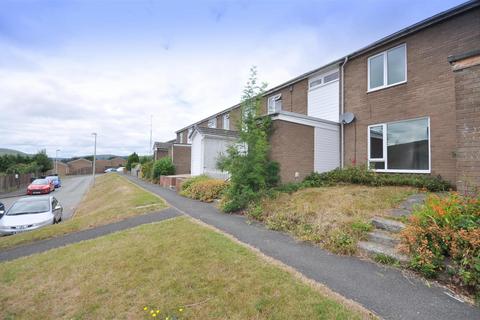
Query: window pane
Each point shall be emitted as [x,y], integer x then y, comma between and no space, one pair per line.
[376,142]
[331,77]
[376,72]
[407,145]
[396,65]
[315,83]
[377,165]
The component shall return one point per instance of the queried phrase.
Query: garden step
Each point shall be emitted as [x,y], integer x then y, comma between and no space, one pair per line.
[383,237]
[387,224]
[372,249]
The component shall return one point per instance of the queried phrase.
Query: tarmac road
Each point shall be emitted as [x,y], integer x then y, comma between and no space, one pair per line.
[69,194]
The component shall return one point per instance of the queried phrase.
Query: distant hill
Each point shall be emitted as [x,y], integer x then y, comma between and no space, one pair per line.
[4,151]
[99,157]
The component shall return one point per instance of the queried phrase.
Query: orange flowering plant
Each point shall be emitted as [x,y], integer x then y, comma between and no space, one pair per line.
[446,228]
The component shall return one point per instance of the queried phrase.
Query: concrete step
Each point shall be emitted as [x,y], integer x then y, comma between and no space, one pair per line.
[387,224]
[383,237]
[372,249]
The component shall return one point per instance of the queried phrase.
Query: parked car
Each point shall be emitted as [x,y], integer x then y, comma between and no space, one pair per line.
[110,170]
[57,183]
[40,186]
[29,213]
[2,209]
[121,169]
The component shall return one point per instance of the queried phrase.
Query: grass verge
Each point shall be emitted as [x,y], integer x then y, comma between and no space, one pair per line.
[112,199]
[335,217]
[203,276]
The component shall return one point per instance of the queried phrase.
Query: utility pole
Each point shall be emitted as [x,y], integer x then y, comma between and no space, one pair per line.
[151,130]
[56,161]
[94,155]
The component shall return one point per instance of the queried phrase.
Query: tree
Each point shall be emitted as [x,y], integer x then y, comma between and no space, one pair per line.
[133,158]
[43,161]
[247,161]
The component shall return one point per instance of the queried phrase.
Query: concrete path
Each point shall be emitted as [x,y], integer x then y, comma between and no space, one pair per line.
[383,290]
[44,245]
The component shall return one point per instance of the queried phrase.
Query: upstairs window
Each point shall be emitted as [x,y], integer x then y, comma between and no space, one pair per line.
[274,104]
[226,121]
[323,79]
[189,138]
[402,146]
[387,68]
[212,123]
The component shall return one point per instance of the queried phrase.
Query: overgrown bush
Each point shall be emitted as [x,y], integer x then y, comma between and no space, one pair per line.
[163,167]
[361,175]
[203,188]
[147,170]
[446,228]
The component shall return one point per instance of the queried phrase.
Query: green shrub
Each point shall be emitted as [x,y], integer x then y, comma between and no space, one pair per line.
[361,175]
[147,170]
[203,189]
[163,167]
[446,227]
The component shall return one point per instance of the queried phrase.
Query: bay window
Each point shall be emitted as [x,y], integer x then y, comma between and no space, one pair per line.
[401,146]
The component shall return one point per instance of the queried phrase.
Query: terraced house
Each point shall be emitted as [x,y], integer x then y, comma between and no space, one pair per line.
[408,103]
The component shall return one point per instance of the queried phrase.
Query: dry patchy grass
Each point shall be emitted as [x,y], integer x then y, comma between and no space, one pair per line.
[112,199]
[205,274]
[335,217]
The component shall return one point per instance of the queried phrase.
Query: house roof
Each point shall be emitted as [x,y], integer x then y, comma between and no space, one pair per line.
[79,159]
[385,40]
[162,145]
[215,132]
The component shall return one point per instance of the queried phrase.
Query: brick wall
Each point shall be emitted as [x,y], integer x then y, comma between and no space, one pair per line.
[294,97]
[292,147]
[429,91]
[181,157]
[467,96]
[161,153]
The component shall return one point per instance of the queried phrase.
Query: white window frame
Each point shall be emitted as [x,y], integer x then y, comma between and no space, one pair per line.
[385,69]
[212,123]
[226,121]
[385,147]
[322,77]
[189,133]
[273,100]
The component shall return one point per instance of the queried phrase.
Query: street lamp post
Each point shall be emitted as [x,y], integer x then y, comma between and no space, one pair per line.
[94,155]
[56,161]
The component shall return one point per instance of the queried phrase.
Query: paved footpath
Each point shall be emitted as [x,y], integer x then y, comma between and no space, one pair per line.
[44,245]
[383,290]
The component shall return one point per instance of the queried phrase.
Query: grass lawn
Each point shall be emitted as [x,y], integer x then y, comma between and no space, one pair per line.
[176,266]
[113,198]
[335,217]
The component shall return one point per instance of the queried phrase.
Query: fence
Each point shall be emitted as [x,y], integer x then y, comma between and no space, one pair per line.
[12,182]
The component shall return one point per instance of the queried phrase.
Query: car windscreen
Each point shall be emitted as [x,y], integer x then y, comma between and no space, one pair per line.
[28,207]
[40,181]
[53,178]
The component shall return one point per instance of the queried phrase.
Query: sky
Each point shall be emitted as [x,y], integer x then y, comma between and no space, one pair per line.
[70,68]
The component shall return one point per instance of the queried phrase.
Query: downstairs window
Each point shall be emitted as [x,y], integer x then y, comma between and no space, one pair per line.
[401,146]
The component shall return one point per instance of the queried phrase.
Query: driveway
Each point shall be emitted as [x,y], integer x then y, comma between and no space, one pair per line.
[70,194]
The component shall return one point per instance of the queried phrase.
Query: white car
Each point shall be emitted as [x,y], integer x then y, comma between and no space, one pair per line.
[30,213]
[121,169]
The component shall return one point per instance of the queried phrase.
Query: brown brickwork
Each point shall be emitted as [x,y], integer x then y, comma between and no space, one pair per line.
[161,153]
[80,166]
[467,95]
[181,157]
[429,90]
[292,147]
[294,97]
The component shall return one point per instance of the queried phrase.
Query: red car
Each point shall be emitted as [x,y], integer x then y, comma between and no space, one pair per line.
[41,186]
